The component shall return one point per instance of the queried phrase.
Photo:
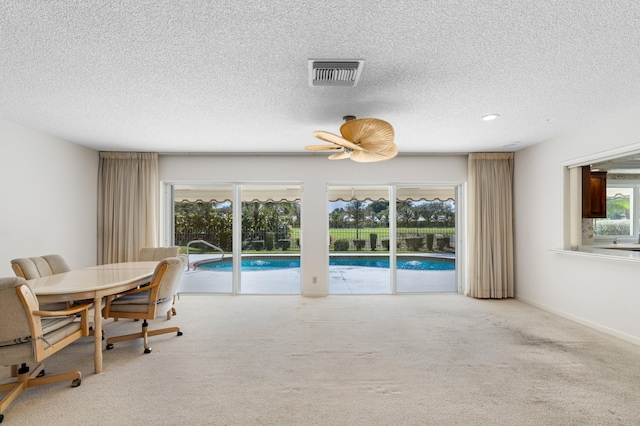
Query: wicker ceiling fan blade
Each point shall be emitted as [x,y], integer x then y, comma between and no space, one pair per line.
[340,156]
[370,134]
[369,157]
[322,147]
[335,139]
[390,152]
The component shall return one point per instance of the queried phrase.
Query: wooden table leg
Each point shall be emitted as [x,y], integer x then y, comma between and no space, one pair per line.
[97,334]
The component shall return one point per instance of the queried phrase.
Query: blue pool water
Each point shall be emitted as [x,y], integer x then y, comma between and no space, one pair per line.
[269,263]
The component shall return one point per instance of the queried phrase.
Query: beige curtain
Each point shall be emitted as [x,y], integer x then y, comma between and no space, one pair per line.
[490,225]
[128,205]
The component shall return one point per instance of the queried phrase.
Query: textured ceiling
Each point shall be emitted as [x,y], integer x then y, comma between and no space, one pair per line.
[232,76]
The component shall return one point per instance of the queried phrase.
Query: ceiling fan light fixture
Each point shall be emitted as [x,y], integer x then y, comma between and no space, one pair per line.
[363,140]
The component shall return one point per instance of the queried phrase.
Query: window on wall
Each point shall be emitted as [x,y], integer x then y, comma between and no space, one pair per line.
[620,204]
[620,221]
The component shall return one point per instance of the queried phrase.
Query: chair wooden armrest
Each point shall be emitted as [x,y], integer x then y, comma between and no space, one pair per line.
[138,289]
[75,309]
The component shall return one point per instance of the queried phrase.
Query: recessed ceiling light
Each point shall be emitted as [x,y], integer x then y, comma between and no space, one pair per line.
[511,144]
[490,117]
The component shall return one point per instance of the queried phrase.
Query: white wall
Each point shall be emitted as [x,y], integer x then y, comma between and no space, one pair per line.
[48,189]
[601,293]
[314,171]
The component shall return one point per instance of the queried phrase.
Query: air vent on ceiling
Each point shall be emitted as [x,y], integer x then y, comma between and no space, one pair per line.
[329,72]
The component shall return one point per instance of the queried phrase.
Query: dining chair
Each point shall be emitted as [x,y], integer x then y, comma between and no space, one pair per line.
[41,266]
[44,266]
[159,253]
[147,302]
[30,335]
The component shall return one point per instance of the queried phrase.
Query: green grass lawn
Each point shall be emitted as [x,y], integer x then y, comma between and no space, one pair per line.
[363,234]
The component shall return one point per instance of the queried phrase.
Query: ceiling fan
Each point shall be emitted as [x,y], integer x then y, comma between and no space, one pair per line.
[364,140]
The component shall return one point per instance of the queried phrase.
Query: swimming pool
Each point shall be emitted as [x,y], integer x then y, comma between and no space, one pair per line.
[417,263]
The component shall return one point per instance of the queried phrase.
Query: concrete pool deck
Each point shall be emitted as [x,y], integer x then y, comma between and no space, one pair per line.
[342,280]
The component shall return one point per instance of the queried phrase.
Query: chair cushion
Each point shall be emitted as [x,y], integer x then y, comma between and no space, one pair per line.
[43,266]
[53,329]
[59,329]
[141,298]
[51,324]
[57,264]
[158,253]
[139,302]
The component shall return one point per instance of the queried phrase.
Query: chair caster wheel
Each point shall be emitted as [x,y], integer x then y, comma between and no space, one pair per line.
[76,383]
[1,417]
[40,374]
[179,333]
[147,350]
[109,346]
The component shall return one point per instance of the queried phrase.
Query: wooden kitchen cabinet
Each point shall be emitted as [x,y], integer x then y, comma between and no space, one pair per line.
[594,193]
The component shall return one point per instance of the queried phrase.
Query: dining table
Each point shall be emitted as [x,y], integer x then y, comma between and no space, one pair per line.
[93,283]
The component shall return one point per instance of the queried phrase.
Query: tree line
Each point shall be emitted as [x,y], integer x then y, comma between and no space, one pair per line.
[212,221]
[375,214]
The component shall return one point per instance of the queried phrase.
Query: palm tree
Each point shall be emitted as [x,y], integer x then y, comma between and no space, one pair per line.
[355,212]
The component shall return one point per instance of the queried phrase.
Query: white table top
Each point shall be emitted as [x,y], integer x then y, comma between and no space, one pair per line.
[146,265]
[92,279]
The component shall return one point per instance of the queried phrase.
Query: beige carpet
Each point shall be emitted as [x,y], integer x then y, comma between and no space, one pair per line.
[348,360]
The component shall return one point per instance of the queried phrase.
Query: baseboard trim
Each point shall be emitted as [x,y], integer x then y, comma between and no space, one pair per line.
[607,330]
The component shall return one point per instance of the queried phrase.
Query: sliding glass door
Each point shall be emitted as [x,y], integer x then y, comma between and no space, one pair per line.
[359,240]
[378,248]
[270,239]
[203,218]
[246,237]
[425,239]
[264,222]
